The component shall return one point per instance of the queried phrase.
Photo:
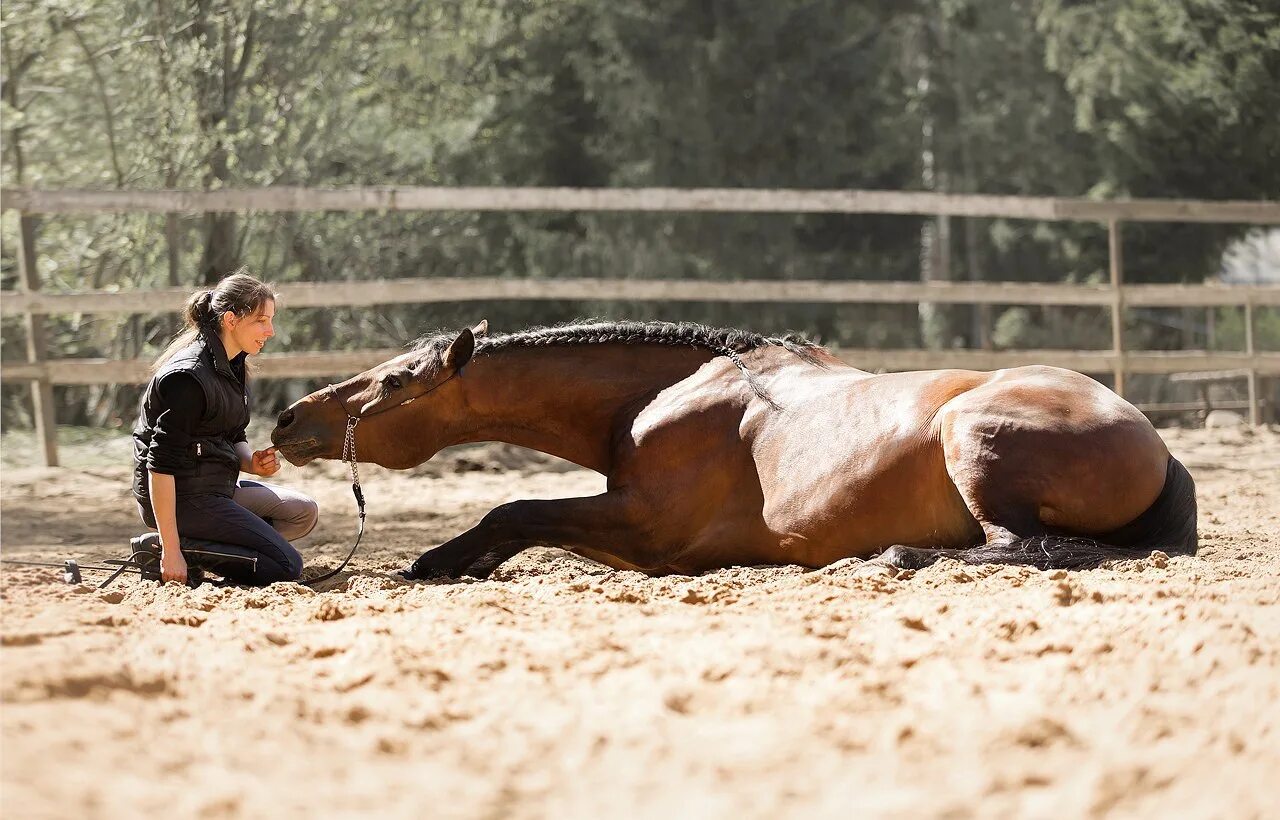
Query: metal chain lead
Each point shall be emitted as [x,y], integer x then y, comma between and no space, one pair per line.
[349,449]
[349,456]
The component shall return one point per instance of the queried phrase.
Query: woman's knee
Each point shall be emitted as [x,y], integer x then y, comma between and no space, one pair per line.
[293,564]
[285,565]
[300,518]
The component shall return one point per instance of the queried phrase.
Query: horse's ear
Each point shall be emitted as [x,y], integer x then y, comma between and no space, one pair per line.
[481,328]
[460,350]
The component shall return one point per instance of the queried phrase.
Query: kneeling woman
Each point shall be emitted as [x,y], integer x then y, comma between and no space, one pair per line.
[190,445]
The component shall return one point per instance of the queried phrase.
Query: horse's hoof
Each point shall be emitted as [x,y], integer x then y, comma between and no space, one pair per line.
[909,557]
[421,570]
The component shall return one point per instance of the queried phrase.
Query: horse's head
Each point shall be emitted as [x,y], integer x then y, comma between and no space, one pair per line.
[390,402]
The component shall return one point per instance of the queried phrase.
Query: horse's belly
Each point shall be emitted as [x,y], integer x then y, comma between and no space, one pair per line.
[865,522]
[869,498]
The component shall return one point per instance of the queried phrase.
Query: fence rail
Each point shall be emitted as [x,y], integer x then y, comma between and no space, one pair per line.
[459,289]
[318,365]
[722,200]
[33,304]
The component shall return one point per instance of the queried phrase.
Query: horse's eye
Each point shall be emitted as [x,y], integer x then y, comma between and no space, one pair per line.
[392,383]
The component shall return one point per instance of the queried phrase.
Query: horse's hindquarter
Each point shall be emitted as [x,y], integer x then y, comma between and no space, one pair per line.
[853,463]
[1038,449]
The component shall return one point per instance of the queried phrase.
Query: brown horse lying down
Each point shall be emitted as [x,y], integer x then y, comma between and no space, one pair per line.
[723,447]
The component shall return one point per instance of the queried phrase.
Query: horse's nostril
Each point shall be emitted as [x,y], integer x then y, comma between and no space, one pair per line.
[286,418]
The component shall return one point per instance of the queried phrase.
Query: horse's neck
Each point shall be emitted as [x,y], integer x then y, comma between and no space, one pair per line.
[565,400]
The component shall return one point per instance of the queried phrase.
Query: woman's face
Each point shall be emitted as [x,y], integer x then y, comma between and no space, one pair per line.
[249,333]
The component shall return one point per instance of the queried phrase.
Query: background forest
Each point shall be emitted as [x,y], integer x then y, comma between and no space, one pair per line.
[1128,98]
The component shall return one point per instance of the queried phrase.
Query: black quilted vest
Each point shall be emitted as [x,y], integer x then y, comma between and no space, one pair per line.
[226,410]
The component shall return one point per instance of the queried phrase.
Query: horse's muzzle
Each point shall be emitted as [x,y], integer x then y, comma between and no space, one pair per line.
[297,451]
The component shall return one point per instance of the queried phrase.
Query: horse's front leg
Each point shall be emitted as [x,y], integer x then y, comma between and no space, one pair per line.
[606,523]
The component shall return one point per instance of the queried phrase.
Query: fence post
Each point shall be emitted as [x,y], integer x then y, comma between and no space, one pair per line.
[1115,252]
[41,388]
[1254,415]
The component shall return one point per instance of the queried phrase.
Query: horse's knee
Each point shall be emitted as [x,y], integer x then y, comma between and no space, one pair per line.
[504,518]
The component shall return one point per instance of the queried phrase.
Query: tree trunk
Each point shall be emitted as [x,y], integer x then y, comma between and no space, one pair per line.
[219,247]
[935,234]
[215,36]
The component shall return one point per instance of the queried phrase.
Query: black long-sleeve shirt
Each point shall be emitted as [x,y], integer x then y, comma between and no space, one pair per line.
[183,399]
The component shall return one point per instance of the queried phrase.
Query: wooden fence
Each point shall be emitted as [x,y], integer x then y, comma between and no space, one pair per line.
[34,304]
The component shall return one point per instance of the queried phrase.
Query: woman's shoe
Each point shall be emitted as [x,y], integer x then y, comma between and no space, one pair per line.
[145,551]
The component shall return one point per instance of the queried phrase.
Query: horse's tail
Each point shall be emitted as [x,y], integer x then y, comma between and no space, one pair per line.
[1168,525]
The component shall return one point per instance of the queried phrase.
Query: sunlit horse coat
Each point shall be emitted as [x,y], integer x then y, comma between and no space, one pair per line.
[723,447]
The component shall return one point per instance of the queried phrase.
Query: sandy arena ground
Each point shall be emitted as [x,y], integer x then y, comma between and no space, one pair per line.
[563,688]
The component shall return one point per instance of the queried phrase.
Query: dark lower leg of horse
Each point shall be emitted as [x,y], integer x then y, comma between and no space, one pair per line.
[450,558]
[1040,551]
[596,522]
[997,537]
[904,557]
[462,557]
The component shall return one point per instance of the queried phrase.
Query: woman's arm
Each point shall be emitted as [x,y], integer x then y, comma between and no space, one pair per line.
[182,400]
[173,567]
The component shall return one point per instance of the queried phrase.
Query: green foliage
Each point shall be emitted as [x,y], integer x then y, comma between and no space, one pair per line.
[1179,99]
[1229,329]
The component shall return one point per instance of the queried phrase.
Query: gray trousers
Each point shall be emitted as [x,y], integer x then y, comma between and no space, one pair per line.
[261,519]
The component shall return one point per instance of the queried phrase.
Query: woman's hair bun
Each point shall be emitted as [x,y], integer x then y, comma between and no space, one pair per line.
[199,308]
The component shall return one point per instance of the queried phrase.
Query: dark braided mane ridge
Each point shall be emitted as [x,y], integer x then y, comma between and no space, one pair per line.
[726,342]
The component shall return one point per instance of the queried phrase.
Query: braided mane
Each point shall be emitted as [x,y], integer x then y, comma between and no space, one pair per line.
[726,342]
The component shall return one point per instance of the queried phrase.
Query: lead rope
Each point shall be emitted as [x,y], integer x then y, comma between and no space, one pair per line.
[349,456]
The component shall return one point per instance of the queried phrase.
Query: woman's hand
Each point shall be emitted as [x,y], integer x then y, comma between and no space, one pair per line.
[173,567]
[264,462]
